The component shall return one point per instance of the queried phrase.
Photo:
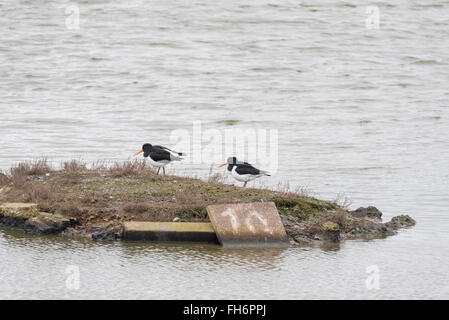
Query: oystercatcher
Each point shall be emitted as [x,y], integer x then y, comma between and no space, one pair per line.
[159,156]
[243,171]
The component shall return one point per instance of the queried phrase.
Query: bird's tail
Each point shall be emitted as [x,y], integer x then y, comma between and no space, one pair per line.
[181,154]
[265,173]
[174,157]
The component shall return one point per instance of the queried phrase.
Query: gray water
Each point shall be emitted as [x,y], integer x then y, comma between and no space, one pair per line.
[359,110]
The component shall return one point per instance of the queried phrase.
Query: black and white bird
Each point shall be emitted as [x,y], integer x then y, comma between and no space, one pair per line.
[159,156]
[243,171]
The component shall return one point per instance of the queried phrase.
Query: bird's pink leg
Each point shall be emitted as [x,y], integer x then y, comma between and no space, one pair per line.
[244,185]
[158,170]
[163,169]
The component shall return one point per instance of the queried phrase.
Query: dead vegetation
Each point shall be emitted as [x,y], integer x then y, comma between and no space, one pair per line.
[35,192]
[136,207]
[130,168]
[130,186]
[4,179]
[101,197]
[215,178]
[74,167]
[29,168]
[19,174]
[99,193]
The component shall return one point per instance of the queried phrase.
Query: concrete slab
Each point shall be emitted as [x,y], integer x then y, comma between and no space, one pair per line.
[27,216]
[169,231]
[18,205]
[256,223]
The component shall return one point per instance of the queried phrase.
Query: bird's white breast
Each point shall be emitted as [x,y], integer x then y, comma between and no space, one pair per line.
[158,163]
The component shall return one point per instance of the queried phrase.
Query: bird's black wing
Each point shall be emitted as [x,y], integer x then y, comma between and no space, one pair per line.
[159,147]
[165,148]
[158,155]
[246,168]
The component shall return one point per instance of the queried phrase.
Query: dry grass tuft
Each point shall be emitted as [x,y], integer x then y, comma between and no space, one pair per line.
[38,192]
[340,218]
[69,209]
[215,178]
[190,199]
[313,226]
[74,167]
[136,207]
[31,168]
[342,201]
[18,178]
[20,172]
[191,203]
[130,168]
[89,197]
[99,165]
[4,179]
[287,191]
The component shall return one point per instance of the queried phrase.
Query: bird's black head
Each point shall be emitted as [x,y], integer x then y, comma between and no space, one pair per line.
[146,149]
[231,161]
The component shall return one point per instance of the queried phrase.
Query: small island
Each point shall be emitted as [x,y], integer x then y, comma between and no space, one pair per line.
[94,201]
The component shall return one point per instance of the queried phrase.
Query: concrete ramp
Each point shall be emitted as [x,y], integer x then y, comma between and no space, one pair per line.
[256,223]
[241,224]
[169,231]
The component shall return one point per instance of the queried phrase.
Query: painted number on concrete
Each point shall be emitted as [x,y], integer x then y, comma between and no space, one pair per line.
[247,222]
[256,215]
[252,214]
[234,223]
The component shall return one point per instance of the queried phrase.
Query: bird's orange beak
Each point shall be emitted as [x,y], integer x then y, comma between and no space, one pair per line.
[221,165]
[135,154]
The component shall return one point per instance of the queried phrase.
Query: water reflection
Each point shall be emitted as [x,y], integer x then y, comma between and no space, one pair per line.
[330,246]
[139,252]
[22,238]
[267,258]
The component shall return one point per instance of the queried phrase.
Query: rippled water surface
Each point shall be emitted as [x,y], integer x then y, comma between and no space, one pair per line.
[358,110]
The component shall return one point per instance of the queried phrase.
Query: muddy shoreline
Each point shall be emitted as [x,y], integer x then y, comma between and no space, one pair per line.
[95,202]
